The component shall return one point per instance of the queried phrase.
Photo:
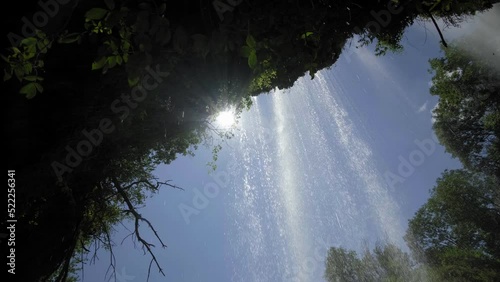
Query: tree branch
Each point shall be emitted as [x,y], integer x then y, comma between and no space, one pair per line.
[137,218]
[151,185]
[438,30]
[112,259]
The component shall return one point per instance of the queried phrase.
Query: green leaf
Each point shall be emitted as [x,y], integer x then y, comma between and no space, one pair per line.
[245,51]
[19,72]
[44,45]
[16,50]
[41,46]
[133,81]
[31,78]
[39,87]
[307,34]
[252,60]
[6,75]
[112,45]
[96,13]
[111,61]
[70,38]
[31,48]
[28,55]
[99,64]
[119,59]
[40,34]
[251,42]
[28,67]
[28,41]
[29,90]
[122,32]
[125,46]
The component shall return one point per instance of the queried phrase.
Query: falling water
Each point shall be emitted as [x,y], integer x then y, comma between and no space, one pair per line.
[304,179]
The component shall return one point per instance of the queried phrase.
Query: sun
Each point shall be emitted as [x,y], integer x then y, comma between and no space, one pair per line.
[225,118]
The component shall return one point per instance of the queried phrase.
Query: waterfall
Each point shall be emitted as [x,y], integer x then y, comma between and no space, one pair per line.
[303,179]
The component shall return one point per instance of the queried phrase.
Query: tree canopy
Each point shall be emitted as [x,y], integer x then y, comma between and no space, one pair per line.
[386,262]
[467,118]
[457,230]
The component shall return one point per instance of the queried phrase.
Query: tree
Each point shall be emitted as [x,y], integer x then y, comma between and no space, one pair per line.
[386,262]
[458,230]
[342,265]
[453,12]
[467,118]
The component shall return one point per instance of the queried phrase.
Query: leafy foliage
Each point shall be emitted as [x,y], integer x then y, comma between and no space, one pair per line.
[456,231]
[250,51]
[466,119]
[386,262]
[454,11]
[26,62]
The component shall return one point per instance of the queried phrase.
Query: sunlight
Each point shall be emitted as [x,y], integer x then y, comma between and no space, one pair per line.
[226,118]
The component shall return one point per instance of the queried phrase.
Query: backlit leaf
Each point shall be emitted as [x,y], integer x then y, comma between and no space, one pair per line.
[252,60]
[251,42]
[29,90]
[99,64]
[96,13]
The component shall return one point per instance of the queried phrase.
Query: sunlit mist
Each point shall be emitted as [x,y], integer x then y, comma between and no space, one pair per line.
[226,118]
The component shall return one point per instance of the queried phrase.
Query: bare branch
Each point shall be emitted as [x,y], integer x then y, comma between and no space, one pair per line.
[127,237]
[149,269]
[83,247]
[166,183]
[94,256]
[439,31]
[112,259]
[151,185]
[137,218]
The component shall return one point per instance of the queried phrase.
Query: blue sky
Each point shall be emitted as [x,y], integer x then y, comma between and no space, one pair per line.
[306,170]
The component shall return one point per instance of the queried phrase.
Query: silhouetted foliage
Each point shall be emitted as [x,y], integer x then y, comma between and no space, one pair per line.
[467,119]
[457,231]
[386,262]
